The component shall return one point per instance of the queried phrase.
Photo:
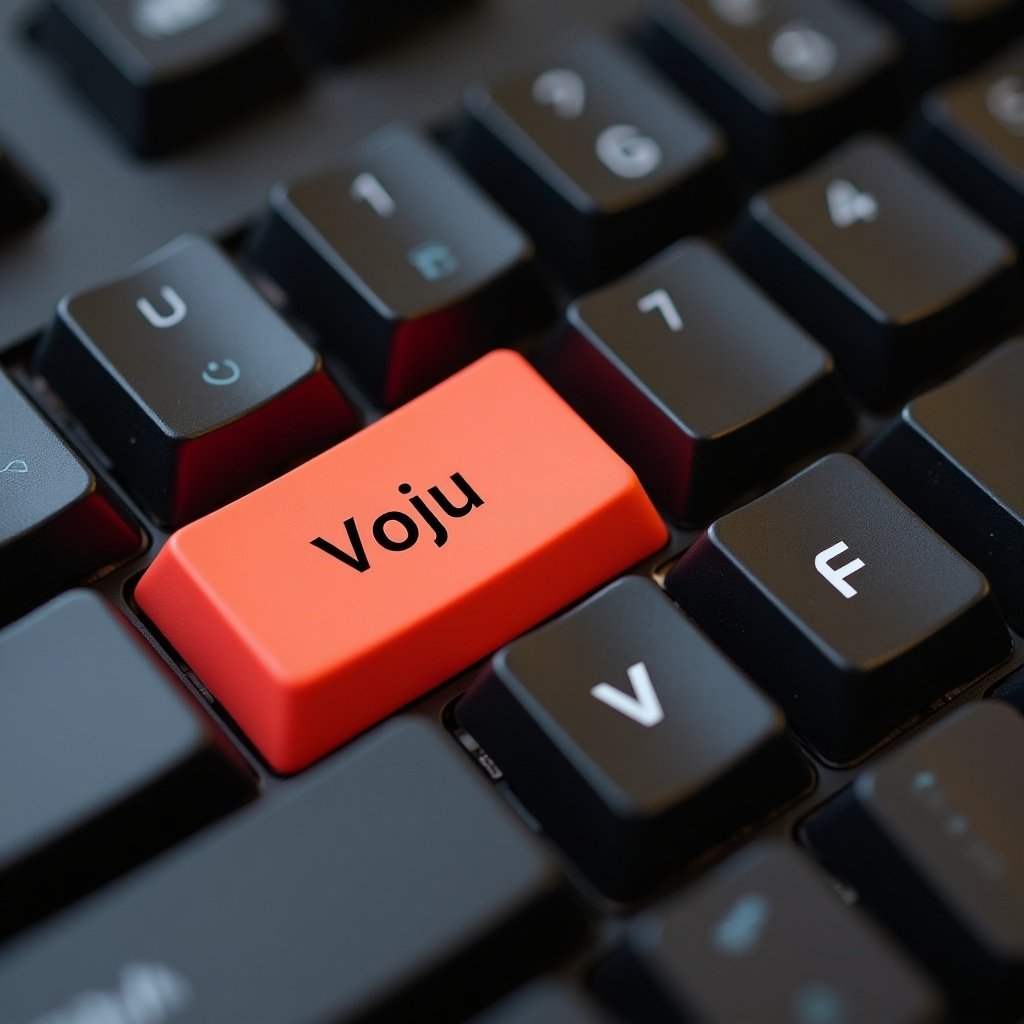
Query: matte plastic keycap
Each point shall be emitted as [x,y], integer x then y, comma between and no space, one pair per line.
[881,265]
[164,72]
[20,204]
[954,456]
[389,885]
[339,592]
[838,600]
[192,383]
[666,368]
[102,763]
[971,134]
[596,157]
[764,940]
[786,78]
[946,36]
[401,262]
[56,523]
[634,741]
[932,838]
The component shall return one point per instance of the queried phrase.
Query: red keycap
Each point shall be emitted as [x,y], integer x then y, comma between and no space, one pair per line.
[329,598]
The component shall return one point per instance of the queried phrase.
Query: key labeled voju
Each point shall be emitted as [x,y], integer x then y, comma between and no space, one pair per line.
[341,591]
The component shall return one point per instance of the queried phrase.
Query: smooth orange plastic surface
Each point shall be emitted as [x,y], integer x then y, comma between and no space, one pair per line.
[334,595]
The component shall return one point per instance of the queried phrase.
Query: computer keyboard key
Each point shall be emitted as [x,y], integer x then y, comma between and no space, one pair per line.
[189,380]
[846,607]
[401,263]
[665,366]
[20,204]
[102,762]
[932,839]
[389,885]
[947,36]
[632,739]
[786,78]
[971,134]
[165,72]
[341,591]
[881,265]
[764,940]
[56,523]
[954,456]
[595,156]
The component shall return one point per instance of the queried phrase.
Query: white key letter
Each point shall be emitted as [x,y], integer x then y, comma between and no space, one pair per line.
[642,706]
[367,189]
[562,90]
[176,304]
[847,205]
[837,577]
[661,301]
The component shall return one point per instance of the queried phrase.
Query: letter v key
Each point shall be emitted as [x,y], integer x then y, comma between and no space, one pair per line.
[644,707]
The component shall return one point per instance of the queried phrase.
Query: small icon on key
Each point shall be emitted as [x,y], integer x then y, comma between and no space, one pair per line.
[15,466]
[223,373]
[434,260]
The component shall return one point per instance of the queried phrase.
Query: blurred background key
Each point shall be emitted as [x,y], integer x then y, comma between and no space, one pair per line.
[164,72]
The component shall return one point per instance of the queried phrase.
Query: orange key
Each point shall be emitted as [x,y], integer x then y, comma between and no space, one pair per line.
[327,599]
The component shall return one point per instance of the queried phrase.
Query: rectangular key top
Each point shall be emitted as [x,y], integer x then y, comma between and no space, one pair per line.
[954,456]
[970,132]
[165,72]
[932,838]
[339,592]
[377,891]
[56,523]
[189,379]
[401,263]
[102,761]
[846,607]
[631,737]
[826,245]
[785,78]
[763,940]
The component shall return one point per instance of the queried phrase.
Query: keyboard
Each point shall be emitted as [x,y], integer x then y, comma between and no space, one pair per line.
[511,511]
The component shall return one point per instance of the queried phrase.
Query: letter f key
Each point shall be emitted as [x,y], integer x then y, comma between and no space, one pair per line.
[837,576]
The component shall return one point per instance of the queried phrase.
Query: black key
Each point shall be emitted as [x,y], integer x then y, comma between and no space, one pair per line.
[102,763]
[56,523]
[545,1002]
[630,737]
[390,884]
[665,366]
[401,262]
[190,381]
[971,134]
[595,157]
[838,600]
[786,78]
[763,940]
[20,204]
[346,28]
[946,36]
[954,457]
[164,72]
[881,265]
[932,838]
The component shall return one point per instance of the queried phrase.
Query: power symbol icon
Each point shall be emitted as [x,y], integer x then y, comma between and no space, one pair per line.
[222,373]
